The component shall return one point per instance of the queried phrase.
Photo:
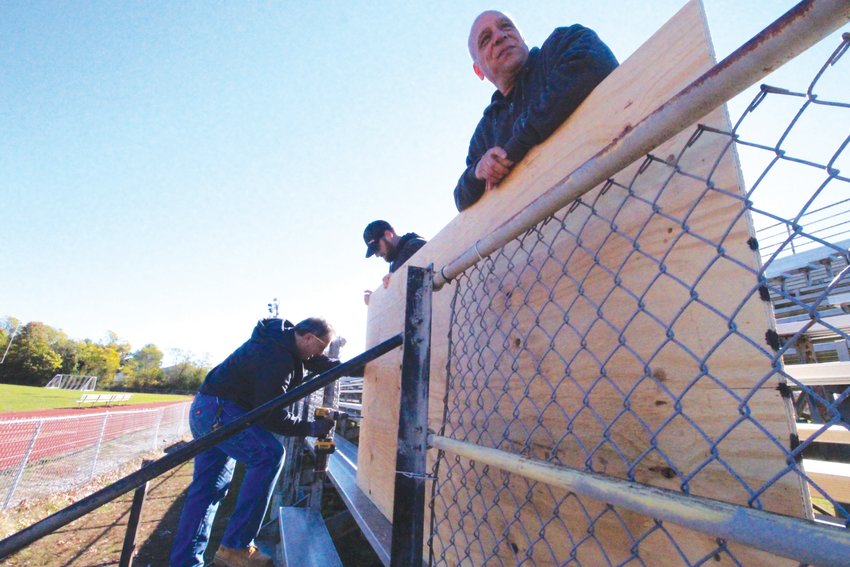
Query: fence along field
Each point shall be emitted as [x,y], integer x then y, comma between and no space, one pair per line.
[53,454]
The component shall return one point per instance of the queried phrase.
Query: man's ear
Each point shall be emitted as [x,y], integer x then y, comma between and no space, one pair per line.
[478,71]
[388,234]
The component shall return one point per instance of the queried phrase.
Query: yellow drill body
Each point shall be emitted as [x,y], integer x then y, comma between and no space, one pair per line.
[325,446]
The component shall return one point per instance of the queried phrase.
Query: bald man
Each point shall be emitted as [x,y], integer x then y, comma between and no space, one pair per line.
[537,90]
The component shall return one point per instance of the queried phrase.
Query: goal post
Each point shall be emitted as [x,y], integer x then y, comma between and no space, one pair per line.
[73,382]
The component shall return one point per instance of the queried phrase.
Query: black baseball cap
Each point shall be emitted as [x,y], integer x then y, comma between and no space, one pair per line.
[373,233]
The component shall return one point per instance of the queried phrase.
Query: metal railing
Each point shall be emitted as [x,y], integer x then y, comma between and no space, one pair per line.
[51,455]
[829,223]
[587,405]
[139,478]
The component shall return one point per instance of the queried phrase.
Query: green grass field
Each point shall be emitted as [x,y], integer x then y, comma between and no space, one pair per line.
[28,398]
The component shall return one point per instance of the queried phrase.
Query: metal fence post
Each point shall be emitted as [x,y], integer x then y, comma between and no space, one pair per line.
[330,397]
[128,552]
[183,420]
[156,429]
[409,498]
[19,475]
[98,446]
[288,482]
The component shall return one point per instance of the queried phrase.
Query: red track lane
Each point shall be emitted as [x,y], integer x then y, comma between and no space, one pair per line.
[60,436]
[82,410]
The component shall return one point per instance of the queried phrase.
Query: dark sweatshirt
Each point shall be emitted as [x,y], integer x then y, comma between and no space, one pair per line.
[554,81]
[409,244]
[265,367]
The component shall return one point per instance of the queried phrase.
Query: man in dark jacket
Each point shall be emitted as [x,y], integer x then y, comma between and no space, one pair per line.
[267,365]
[382,241]
[537,91]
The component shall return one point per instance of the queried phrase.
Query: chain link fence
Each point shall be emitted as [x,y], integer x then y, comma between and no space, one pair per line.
[630,335]
[54,454]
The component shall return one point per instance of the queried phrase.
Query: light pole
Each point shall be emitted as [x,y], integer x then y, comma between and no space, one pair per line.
[8,346]
[273,308]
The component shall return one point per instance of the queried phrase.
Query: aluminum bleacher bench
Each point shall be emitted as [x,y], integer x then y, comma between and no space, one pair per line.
[88,399]
[107,399]
[122,398]
[833,478]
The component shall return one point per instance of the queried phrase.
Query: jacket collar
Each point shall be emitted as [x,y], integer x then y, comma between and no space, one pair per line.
[287,342]
[498,97]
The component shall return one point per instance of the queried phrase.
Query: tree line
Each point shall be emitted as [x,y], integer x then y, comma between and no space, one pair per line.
[38,352]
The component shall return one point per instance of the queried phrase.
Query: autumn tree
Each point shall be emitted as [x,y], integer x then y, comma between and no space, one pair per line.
[98,360]
[31,360]
[187,373]
[68,350]
[143,369]
[39,351]
[121,346]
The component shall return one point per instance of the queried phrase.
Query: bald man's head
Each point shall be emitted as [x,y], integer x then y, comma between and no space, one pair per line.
[497,48]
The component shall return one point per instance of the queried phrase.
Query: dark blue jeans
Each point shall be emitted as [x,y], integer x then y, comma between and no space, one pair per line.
[263,456]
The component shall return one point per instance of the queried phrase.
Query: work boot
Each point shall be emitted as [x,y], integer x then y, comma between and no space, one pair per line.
[248,557]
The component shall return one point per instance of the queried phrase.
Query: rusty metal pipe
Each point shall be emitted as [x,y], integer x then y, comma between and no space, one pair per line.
[797,539]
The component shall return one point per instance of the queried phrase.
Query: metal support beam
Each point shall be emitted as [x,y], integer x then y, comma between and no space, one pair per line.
[67,515]
[99,445]
[8,346]
[409,498]
[800,28]
[128,552]
[330,399]
[797,539]
[23,466]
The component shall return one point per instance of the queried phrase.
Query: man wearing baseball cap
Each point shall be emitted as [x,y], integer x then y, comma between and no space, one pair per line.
[382,241]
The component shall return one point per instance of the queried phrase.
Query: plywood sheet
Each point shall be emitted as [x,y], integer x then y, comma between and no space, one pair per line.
[627,278]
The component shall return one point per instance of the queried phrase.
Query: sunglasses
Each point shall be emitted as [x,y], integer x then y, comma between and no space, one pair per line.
[321,342]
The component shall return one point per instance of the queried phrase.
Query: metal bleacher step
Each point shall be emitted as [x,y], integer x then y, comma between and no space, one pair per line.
[342,470]
[831,477]
[822,374]
[304,539]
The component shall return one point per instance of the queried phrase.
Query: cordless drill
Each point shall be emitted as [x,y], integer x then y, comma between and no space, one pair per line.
[325,445]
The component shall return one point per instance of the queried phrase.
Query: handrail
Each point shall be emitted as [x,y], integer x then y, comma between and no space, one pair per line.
[786,536]
[28,535]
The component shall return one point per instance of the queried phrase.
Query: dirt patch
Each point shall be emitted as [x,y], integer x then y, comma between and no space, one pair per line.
[96,539]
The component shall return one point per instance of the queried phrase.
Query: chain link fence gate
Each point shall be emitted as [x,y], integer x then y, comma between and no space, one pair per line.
[593,341]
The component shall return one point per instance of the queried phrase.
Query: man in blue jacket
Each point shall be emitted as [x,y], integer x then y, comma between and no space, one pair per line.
[266,366]
[537,91]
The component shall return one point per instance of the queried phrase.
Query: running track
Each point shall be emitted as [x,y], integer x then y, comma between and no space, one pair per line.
[60,436]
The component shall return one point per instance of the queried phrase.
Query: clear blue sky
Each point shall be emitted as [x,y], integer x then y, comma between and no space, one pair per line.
[167,168]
